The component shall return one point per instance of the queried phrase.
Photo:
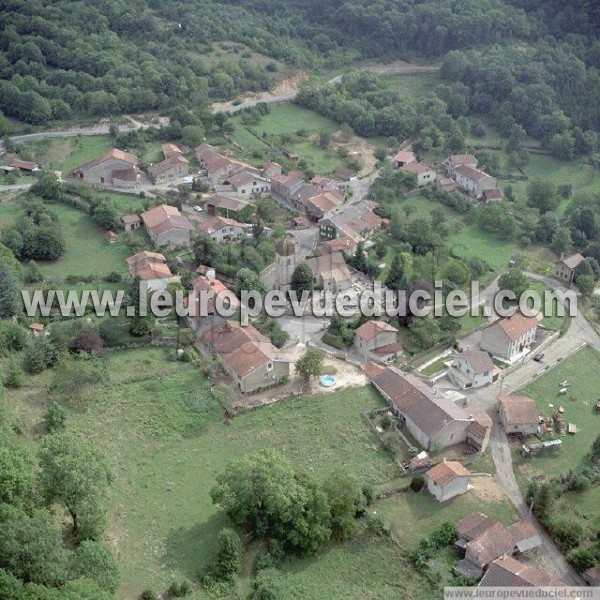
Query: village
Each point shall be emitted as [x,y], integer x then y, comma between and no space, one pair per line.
[439,416]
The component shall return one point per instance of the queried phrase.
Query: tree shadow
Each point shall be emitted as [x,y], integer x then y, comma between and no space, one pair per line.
[190,550]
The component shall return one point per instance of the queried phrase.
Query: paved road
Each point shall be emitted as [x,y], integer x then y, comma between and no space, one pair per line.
[579,334]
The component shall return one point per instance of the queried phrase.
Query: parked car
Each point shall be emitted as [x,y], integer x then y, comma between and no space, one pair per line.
[198,208]
[539,357]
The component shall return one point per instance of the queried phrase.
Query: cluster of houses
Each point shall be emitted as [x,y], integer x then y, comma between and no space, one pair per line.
[460,173]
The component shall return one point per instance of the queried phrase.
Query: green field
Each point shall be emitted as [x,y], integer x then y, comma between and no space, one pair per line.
[166,438]
[287,119]
[583,373]
[65,154]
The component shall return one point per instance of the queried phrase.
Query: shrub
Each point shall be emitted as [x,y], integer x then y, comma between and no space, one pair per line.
[229,558]
[417,483]
[179,589]
[566,533]
[14,376]
[148,595]
[582,559]
[113,277]
[56,418]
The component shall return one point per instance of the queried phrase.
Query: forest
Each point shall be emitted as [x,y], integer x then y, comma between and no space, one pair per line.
[67,59]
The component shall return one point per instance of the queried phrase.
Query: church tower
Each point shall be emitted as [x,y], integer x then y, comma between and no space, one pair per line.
[285,262]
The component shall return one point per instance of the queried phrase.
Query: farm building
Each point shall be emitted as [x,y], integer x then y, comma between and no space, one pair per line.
[518,414]
[509,337]
[447,480]
[167,227]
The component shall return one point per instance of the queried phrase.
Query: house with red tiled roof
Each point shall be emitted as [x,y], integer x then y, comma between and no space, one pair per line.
[377,340]
[518,414]
[489,540]
[430,417]
[404,157]
[473,181]
[114,168]
[247,184]
[25,166]
[447,480]
[459,160]
[248,357]
[208,291]
[509,337]
[506,571]
[152,269]
[167,226]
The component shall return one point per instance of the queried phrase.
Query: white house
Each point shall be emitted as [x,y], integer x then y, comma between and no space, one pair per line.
[222,229]
[459,160]
[472,369]
[474,181]
[447,480]
[424,173]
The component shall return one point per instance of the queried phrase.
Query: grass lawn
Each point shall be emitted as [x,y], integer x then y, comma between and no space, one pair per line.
[65,154]
[287,119]
[436,367]
[87,250]
[167,442]
[126,203]
[583,373]
[414,85]
[415,515]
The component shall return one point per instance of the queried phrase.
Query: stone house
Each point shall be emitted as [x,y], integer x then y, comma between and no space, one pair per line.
[518,415]
[403,158]
[377,340]
[248,357]
[208,291]
[472,369]
[222,229]
[564,268]
[459,160]
[167,227]
[491,195]
[224,206]
[344,173]
[331,272]
[509,337]
[324,204]
[114,168]
[473,181]
[131,222]
[424,173]
[479,431]
[447,480]
[172,168]
[286,185]
[169,150]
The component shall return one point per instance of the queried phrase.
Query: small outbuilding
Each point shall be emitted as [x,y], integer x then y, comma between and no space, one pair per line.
[518,415]
[447,480]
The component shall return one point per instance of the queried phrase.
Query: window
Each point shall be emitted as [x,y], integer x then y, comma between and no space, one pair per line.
[269,366]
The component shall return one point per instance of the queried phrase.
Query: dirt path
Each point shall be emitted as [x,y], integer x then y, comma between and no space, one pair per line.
[556,562]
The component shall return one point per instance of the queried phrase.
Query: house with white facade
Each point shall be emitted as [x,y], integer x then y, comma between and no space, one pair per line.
[472,369]
[222,229]
[509,337]
[447,480]
[473,181]
[424,173]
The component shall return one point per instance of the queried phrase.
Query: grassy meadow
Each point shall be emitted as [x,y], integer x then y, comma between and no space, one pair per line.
[582,371]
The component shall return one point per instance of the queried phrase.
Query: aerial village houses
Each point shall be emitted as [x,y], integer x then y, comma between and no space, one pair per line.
[131,222]
[472,369]
[403,158]
[114,168]
[330,272]
[459,160]
[167,227]
[506,571]
[432,419]
[249,185]
[447,480]
[247,356]
[208,291]
[491,195]
[518,415]
[286,186]
[218,168]
[491,541]
[172,168]
[225,206]
[26,167]
[152,269]
[357,221]
[344,174]
[377,340]
[170,150]
[423,173]
[509,337]
[564,268]
[222,229]
[473,181]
